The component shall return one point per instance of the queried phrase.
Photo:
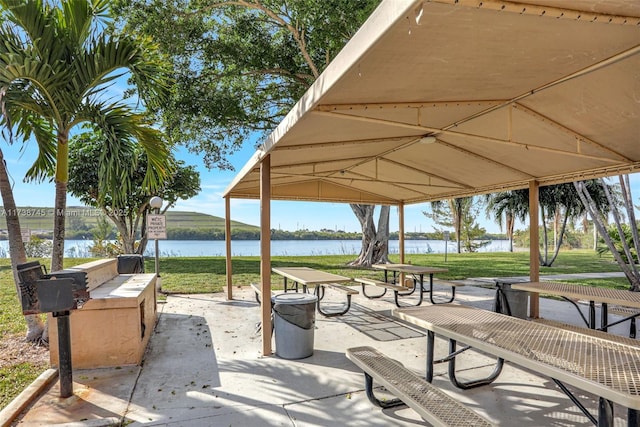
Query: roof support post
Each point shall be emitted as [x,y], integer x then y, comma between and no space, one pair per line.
[534,247]
[265,252]
[401,231]
[227,238]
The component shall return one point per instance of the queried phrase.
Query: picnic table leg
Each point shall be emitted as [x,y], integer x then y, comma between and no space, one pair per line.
[575,400]
[473,383]
[420,298]
[453,291]
[319,292]
[605,413]
[368,386]
[430,344]
[592,314]
[633,418]
[604,317]
[364,292]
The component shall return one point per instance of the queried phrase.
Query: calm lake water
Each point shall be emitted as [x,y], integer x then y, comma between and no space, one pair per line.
[195,248]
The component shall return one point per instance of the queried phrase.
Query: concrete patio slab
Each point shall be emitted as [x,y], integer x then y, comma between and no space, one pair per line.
[203,367]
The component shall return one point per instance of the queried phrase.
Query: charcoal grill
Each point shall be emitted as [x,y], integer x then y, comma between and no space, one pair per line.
[50,293]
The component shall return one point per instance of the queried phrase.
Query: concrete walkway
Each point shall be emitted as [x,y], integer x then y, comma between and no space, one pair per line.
[203,368]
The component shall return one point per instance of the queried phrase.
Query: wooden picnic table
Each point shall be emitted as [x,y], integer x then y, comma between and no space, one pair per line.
[608,369]
[593,294]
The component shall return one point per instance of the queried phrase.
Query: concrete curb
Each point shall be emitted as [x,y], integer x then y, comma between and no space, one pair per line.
[101,422]
[24,399]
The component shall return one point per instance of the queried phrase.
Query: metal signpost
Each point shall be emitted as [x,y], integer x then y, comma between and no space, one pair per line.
[446,244]
[156,228]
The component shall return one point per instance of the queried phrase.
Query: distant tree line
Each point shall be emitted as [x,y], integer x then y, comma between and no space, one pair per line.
[244,234]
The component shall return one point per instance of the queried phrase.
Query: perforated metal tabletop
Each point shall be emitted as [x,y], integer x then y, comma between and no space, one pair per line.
[608,369]
[583,292]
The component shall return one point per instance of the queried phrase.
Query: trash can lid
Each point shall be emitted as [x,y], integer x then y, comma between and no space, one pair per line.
[294,298]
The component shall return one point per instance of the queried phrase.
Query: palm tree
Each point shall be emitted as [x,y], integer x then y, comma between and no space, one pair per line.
[57,62]
[626,263]
[562,201]
[510,205]
[17,252]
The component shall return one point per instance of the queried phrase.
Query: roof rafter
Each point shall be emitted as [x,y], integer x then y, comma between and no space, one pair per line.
[445,131]
[579,137]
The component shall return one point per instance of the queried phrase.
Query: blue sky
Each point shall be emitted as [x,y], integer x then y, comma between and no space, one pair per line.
[285,215]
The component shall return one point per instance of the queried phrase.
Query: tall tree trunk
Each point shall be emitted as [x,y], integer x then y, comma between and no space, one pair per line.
[629,269]
[628,203]
[382,236]
[35,327]
[128,241]
[375,245]
[60,209]
[510,225]
[560,238]
[618,223]
[456,210]
[142,246]
[57,255]
[545,240]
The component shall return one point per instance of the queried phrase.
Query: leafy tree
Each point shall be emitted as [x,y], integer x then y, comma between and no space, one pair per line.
[241,65]
[38,248]
[470,230]
[102,233]
[616,238]
[599,217]
[57,63]
[127,213]
[459,214]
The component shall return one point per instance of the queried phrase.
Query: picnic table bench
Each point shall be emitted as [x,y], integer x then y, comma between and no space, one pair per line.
[433,404]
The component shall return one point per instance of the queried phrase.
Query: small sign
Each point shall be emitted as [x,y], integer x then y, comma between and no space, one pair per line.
[156,227]
[26,234]
[446,235]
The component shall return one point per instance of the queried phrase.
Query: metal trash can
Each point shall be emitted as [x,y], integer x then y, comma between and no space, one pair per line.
[130,264]
[294,324]
[511,301]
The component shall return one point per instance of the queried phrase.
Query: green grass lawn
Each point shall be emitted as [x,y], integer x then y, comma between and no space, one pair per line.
[208,274]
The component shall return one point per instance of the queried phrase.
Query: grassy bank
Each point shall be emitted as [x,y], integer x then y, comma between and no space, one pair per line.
[208,274]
